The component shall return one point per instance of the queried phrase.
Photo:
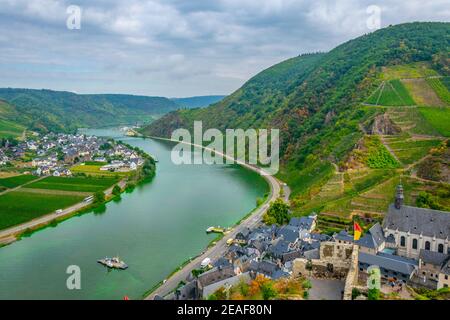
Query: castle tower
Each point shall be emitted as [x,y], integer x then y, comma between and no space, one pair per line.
[399,197]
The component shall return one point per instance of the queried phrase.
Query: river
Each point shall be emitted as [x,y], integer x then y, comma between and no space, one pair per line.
[153,229]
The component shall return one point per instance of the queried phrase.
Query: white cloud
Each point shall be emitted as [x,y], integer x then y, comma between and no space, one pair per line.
[177,47]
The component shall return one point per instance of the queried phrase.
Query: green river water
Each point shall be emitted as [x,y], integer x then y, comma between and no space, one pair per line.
[154,229]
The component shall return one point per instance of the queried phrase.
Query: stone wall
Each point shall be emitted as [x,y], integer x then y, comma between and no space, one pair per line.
[352,276]
[334,262]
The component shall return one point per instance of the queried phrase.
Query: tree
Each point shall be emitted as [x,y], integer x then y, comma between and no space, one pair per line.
[426,200]
[278,213]
[116,190]
[373,294]
[99,197]
[268,292]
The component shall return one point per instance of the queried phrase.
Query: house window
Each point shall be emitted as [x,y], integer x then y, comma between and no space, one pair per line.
[403,241]
[414,244]
[427,245]
[446,277]
[441,248]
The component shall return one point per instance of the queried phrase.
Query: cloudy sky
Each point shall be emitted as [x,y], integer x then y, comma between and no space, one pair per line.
[178,47]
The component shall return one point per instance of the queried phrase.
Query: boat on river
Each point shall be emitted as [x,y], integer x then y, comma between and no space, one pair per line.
[113,263]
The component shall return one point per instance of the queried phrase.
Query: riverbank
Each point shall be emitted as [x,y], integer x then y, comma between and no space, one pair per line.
[143,173]
[214,252]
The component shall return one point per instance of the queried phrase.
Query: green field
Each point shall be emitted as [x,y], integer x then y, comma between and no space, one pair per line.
[93,168]
[13,182]
[76,184]
[18,207]
[440,88]
[9,129]
[439,118]
[408,71]
[391,93]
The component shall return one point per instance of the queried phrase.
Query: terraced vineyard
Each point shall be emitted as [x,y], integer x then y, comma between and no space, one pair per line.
[391,93]
[438,118]
[422,93]
[409,149]
[385,161]
[440,88]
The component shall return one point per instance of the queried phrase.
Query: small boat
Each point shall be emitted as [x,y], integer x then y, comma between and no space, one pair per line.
[113,263]
[216,230]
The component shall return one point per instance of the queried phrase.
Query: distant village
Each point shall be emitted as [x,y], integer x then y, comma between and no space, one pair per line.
[411,247]
[54,154]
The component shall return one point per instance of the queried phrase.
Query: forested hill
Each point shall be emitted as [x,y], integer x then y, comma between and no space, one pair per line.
[196,102]
[47,110]
[316,99]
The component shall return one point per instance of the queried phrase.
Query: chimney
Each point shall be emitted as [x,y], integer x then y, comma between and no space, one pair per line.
[399,197]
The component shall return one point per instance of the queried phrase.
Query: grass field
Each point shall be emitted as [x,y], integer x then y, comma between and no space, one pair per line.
[441,90]
[9,129]
[422,93]
[13,182]
[391,93]
[18,207]
[408,71]
[76,184]
[93,169]
[439,119]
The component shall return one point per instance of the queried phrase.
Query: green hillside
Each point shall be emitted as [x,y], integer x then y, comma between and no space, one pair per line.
[10,121]
[321,104]
[61,111]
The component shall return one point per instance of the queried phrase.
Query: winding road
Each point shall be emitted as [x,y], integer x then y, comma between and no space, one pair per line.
[219,249]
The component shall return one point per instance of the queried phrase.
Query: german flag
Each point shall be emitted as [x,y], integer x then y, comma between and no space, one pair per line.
[357,231]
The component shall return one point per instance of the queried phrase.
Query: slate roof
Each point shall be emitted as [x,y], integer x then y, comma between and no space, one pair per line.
[222,262]
[389,262]
[343,236]
[289,233]
[312,254]
[302,222]
[434,258]
[265,267]
[377,234]
[367,241]
[423,221]
[279,248]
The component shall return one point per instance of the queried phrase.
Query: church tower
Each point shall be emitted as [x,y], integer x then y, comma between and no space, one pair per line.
[399,197]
